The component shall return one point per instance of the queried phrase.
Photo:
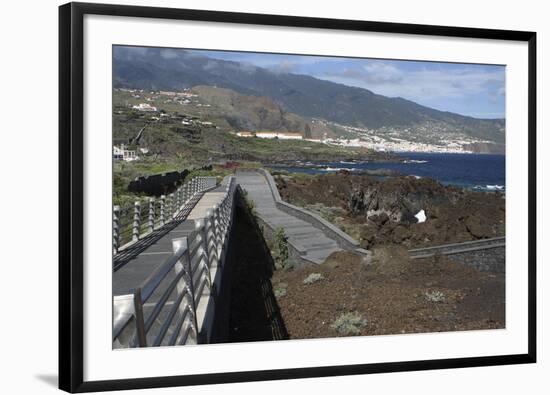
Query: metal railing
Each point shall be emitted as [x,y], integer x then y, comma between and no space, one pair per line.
[131,224]
[171,306]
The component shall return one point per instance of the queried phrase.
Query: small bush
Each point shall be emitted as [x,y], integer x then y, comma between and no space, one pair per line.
[249,202]
[281,252]
[349,323]
[280,290]
[313,278]
[434,296]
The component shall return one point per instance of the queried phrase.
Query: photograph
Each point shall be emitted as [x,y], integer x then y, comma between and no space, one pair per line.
[261,196]
[272,198]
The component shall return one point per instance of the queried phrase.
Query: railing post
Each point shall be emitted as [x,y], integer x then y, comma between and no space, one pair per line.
[225,214]
[140,320]
[186,192]
[213,253]
[173,205]
[218,231]
[200,227]
[178,198]
[124,321]
[162,208]
[151,224]
[137,221]
[177,244]
[209,235]
[116,229]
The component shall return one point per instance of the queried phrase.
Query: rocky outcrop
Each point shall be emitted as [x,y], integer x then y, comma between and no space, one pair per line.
[382,212]
[400,199]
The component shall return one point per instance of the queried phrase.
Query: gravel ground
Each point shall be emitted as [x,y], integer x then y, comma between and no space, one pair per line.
[392,295]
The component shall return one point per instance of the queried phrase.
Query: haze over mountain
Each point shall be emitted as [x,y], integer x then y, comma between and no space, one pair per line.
[167,69]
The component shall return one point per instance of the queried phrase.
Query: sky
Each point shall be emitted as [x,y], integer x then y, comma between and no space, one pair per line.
[467,89]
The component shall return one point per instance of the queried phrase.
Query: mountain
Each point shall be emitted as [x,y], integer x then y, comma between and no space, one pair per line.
[245,112]
[169,69]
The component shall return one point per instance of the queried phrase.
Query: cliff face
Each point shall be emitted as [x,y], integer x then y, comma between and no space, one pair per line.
[380,212]
[398,198]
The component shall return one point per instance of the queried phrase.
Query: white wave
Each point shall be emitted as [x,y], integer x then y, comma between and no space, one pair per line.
[489,187]
[415,161]
[337,169]
[347,163]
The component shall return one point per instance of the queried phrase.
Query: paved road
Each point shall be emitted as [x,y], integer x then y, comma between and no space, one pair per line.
[300,233]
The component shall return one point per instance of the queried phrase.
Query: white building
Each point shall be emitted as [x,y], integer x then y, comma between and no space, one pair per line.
[280,135]
[144,107]
[121,153]
[315,140]
[245,134]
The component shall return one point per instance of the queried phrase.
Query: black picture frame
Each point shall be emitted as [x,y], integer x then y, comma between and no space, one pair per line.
[71,198]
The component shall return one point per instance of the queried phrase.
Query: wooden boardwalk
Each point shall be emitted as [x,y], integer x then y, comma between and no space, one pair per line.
[301,234]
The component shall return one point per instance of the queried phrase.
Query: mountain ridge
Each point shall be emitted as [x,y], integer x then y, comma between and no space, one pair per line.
[157,69]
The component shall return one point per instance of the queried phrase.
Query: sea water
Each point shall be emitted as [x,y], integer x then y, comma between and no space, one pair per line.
[473,171]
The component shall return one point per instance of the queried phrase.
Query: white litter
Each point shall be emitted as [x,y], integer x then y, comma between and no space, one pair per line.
[421,216]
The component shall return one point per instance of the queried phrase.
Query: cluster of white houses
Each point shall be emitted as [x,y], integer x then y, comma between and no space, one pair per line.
[272,135]
[280,135]
[144,107]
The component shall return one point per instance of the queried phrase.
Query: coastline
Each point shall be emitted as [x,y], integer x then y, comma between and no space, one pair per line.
[478,172]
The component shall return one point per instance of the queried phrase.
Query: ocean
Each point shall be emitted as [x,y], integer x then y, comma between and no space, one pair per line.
[473,171]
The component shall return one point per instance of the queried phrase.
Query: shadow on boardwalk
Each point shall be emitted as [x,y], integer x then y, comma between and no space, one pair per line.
[253,312]
[133,251]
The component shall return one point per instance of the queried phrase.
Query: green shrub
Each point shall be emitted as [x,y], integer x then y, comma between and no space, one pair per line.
[280,290]
[281,252]
[349,323]
[434,296]
[249,202]
[313,278]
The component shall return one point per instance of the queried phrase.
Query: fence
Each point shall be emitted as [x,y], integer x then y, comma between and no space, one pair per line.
[131,224]
[175,304]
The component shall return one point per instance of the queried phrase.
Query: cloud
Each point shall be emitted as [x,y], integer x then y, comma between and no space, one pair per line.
[218,67]
[129,53]
[285,66]
[420,83]
[210,65]
[244,67]
[169,53]
[382,73]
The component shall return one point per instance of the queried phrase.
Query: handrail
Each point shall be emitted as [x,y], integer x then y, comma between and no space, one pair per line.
[131,224]
[458,248]
[182,281]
